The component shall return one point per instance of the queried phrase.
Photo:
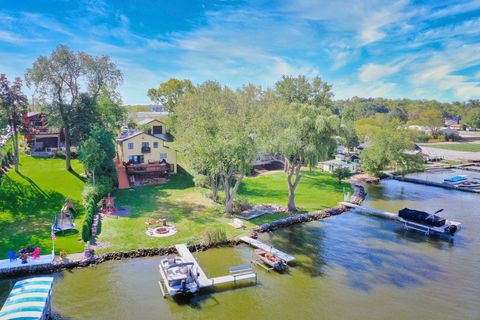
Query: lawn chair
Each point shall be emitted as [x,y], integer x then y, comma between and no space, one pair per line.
[12,256]
[36,253]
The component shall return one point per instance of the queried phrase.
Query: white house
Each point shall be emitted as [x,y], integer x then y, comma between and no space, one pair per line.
[338,162]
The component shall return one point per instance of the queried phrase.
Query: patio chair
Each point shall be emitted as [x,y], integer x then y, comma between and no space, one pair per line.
[12,256]
[36,253]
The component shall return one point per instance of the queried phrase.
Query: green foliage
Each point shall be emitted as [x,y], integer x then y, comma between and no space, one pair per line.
[169,93]
[341,173]
[201,181]
[88,219]
[388,145]
[212,237]
[432,119]
[240,205]
[473,118]
[300,90]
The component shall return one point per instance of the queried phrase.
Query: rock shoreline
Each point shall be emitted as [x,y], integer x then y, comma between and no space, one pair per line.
[357,198]
[100,258]
[359,195]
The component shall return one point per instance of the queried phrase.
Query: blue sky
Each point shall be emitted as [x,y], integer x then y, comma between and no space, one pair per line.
[395,49]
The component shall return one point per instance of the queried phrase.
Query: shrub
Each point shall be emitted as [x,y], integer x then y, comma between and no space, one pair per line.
[240,205]
[201,181]
[341,173]
[211,237]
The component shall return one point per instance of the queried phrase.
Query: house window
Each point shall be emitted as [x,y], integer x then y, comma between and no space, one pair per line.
[157,130]
[155,145]
[135,159]
[163,156]
[130,145]
[145,145]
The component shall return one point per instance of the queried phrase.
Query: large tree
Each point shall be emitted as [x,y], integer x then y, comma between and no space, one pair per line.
[473,118]
[58,80]
[13,106]
[216,131]
[169,92]
[303,134]
[299,89]
[432,119]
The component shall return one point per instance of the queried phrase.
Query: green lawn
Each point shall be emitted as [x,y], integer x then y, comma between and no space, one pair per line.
[29,200]
[177,200]
[470,147]
[317,190]
[192,212]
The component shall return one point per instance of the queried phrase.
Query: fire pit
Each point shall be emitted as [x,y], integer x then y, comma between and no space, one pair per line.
[163,231]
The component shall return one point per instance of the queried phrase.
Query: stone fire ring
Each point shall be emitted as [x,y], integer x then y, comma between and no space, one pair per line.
[159,232]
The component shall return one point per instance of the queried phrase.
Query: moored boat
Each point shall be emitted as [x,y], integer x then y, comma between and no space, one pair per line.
[271,260]
[469,184]
[426,222]
[178,276]
[455,179]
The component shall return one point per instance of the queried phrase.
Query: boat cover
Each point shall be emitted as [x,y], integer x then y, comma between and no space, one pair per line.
[422,217]
[455,179]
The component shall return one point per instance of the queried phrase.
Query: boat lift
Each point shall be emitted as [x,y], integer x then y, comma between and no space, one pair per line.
[408,225]
[237,273]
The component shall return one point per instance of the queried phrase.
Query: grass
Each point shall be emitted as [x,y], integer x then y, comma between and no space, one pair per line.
[29,200]
[317,190]
[177,200]
[469,147]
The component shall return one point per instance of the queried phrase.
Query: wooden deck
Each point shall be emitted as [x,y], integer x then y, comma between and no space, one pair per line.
[42,260]
[258,244]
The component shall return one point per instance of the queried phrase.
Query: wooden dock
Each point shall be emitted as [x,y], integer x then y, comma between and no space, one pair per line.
[406,223]
[258,244]
[205,282]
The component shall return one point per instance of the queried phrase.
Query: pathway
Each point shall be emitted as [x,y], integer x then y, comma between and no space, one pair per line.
[122,176]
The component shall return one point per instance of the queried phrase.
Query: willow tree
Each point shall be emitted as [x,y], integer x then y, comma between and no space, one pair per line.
[13,105]
[58,79]
[215,130]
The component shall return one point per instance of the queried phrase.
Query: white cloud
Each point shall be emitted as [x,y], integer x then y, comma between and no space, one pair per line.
[374,72]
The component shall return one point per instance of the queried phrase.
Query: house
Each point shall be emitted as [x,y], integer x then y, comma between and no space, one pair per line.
[339,162]
[155,127]
[145,156]
[39,136]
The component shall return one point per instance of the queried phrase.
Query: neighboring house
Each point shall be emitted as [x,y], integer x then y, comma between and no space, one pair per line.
[339,162]
[155,127]
[263,159]
[363,146]
[39,136]
[145,156]
[449,121]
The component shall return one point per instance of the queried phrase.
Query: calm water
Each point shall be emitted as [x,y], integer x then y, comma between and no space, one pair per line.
[349,267]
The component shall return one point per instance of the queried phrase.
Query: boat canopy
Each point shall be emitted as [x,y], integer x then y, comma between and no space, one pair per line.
[422,217]
[28,299]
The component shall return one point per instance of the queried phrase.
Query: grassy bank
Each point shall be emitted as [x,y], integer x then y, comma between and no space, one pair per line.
[29,200]
[317,190]
[466,147]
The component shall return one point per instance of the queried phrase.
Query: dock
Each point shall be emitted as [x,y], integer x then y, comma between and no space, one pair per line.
[392,216]
[8,265]
[237,274]
[260,245]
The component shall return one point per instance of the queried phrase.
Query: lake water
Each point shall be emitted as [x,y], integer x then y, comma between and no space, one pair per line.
[350,266]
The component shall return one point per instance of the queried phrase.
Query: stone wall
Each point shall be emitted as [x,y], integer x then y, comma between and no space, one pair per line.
[357,198]
[97,259]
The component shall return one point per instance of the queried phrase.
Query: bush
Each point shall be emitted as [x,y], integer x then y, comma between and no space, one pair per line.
[62,155]
[240,205]
[201,181]
[211,237]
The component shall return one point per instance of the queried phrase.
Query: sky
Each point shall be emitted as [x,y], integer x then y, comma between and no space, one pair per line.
[392,49]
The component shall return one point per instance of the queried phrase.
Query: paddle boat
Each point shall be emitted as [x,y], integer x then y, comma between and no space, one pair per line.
[271,260]
[178,276]
[455,179]
[426,222]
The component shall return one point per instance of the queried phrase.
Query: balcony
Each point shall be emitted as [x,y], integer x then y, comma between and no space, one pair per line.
[146,150]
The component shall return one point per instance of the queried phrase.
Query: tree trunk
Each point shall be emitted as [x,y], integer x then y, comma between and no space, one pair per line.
[214,187]
[230,195]
[15,146]
[294,168]
[67,148]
